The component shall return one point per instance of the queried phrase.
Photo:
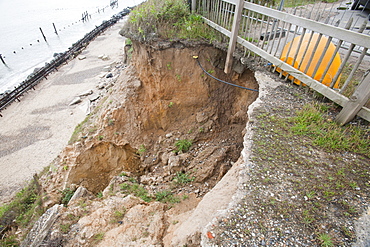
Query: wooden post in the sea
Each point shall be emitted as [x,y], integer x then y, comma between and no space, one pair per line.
[56,32]
[2,59]
[43,34]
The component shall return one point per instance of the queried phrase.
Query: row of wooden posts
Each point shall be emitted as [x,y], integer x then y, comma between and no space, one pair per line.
[9,97]
[85,17]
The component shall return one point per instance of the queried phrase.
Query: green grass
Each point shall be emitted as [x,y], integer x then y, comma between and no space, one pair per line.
[22,211]
[128,42]
[65,228]
[183,178]
[168,20]
[326,240]
[312,121]
[99,195]
[136,190]
[66,196]
[166,196]
[182,145]
[79,128]
[141,150]
[98,237]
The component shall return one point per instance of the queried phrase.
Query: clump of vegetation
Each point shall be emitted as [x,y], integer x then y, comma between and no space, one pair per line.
[66,196]
[326,240]
[136,190]
[141,150]
[98,237]
[79,128]
[168,20]
[182,145]
[24,209]
[311,121]
[166,196]
[183,178]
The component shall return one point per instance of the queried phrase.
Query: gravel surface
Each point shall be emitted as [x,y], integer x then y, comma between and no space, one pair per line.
[292,192]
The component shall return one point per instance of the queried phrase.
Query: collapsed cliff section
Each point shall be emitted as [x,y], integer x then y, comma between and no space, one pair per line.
[162,99]
[166,133]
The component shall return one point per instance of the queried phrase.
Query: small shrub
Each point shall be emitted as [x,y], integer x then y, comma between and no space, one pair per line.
[183,178]
[67,195]
[141,150]
[21,211]
[166,196]
[65,228]
[136,190]
[128,41]
[182,145]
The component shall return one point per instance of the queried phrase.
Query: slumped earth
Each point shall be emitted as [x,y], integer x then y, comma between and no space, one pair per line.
[166,133]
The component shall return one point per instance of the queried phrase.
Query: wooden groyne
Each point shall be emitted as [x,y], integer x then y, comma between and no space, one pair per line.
[32,80]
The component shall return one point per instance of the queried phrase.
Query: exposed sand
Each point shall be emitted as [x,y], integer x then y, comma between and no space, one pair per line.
[36,129]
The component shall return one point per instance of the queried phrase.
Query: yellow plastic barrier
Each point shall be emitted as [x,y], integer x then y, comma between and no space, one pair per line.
[304,61]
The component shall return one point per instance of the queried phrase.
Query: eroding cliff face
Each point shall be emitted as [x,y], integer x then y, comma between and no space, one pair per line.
[162,97]
[96,166]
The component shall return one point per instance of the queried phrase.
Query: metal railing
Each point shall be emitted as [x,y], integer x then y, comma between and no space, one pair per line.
[328,53]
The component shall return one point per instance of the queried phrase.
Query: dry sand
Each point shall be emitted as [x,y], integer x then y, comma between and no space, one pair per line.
[36,129]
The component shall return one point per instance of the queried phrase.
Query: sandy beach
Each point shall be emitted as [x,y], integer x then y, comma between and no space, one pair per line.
[36,129]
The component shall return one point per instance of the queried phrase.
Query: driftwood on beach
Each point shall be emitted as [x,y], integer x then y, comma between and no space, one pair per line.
[32,80]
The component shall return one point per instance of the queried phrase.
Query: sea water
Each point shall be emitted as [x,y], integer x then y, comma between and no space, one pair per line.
[22,45]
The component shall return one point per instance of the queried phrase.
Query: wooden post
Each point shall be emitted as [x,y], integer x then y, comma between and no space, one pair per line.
[2,59]
[234,35]
[43,34]
[56,32]
[357,100]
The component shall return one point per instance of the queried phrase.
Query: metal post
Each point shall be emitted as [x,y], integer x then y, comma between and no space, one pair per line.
[234,35]
[43,34]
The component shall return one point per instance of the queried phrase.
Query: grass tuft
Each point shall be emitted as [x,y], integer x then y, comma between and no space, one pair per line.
[136,190]
[22,211]
[182,145]
[312,121]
